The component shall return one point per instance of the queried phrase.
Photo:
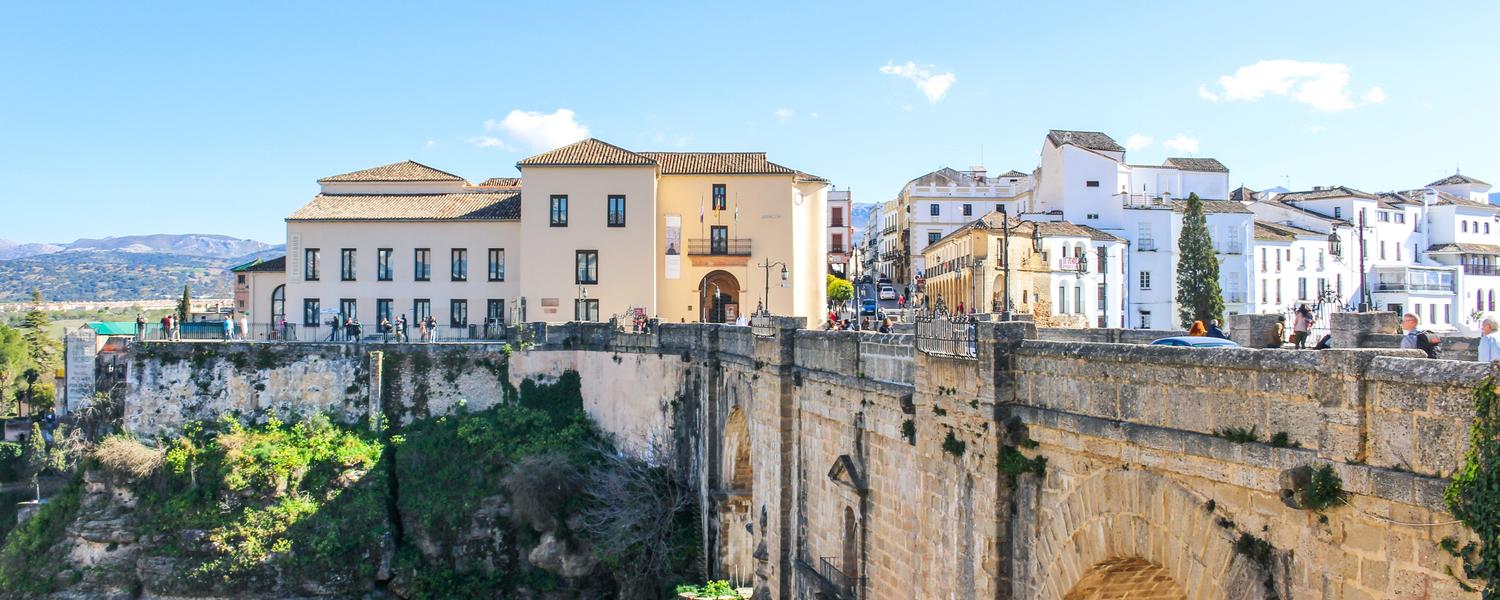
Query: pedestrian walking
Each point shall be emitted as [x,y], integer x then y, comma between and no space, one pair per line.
[1489,339]
[1419,339]
[385,329]
[401,329]
[1197,330]
[228,328]
[1301,326]
[431,328]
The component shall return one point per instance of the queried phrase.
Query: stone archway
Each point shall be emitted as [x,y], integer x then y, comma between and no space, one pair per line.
[1117,525]
[1122,578]
[719,298]
[736,533]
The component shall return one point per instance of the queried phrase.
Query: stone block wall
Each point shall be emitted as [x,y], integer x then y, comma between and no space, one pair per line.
[1106,336]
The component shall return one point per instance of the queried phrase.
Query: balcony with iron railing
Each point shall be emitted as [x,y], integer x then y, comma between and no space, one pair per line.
[1472,269]
[1413,279]
[1145,201]
[842,584]
[718,247]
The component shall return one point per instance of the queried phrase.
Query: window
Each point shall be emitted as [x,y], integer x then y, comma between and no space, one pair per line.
[1464,225]
[383,311]
[1145,280]
[1078,299]
[1103,258]
[587,262]
[1102,300]
[1397,246]
[458,313]
[310,264]
[1302,259]
[310,310]
[383,264]
[1092,216]
[718,239]
[1062,299]
[1400,217]
[836,217]
[1263,260]
[1277,252]
[1278,291]
[933,237]
[998,207]
[348,308]
[1320,259]
[586,310]
[494,311]
[932,209]
[1301,288]
[422,264]
[240,278]
[421,308]
[559,211]
[1091,183]
[1383,217]
[497,264]
[346,264]
[617,211]
[838,243]
[459,264]
[278,304]
[720,197]
[968,210]
[1145,319]
[1338,212]
[1338,285]
[1431,313]
[1382,250]
[1265,287]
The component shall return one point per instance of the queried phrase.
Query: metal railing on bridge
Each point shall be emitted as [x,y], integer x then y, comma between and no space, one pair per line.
[947,335]
[291,332]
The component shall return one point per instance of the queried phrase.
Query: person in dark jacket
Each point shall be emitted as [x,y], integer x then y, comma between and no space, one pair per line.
[1215,331]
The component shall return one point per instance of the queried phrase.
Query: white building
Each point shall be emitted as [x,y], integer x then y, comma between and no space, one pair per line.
[1084,179]
[890,256]
[940,202]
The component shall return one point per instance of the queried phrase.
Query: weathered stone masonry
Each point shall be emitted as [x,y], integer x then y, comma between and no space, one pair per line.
[852,464]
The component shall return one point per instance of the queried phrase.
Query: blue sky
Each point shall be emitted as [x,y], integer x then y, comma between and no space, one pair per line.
[133,118]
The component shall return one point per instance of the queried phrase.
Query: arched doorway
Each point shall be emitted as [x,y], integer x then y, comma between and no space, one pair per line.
[1121,578]
[718,298]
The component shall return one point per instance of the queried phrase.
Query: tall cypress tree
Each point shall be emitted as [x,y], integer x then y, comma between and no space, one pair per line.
[41,348]
[184,306]
[1198,296]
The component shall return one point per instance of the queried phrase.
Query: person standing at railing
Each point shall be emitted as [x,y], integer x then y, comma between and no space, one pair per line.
[244,327]
[140,327]
[228,328]
[1302,326]
[431,328]
[385,330]
[401,329]
[1489,339]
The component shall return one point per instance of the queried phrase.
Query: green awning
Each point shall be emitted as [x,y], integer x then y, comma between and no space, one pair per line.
[112,327]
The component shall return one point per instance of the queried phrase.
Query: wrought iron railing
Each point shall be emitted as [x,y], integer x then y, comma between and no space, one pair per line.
[1481,269]
[845,585]
[947,335]
[719,247]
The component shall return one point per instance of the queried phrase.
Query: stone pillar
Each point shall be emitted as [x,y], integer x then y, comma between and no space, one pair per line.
[1256,331]
[373,394]
[1351,329]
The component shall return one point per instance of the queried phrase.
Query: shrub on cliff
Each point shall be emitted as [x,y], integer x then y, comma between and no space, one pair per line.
[306,499]
[31,555]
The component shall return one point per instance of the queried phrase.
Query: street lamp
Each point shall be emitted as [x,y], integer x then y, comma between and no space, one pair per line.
[767,266]
[1005,307]
[580,308]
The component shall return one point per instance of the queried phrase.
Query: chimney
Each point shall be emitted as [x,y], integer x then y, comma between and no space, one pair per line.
[1319,188]
[978,172]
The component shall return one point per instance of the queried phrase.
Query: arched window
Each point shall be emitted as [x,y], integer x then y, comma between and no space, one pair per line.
[1479,300]
[1464,225]
[1492,300]
[278,304]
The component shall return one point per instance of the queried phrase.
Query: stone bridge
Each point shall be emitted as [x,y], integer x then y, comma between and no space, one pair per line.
[860,465]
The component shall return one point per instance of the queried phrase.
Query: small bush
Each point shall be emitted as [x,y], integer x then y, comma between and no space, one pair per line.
[1013,463]
[1284,440]
[1239,435]
[10,461]
[953,445]
[539,487]
[1325,489]
[909,431]
[1255,549]
[128,457]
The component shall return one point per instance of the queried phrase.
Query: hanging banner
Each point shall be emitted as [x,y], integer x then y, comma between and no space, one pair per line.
[79,350]
[674,246]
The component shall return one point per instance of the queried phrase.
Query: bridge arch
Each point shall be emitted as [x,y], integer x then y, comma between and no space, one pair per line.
[1118,526]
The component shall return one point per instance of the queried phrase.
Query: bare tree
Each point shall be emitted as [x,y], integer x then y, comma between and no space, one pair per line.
[635,519]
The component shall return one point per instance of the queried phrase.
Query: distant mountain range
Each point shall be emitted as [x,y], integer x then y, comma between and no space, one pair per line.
[136,267]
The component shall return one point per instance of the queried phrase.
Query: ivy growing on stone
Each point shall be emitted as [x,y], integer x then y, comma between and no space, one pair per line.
[1473,495]
[909,431]
[953,445]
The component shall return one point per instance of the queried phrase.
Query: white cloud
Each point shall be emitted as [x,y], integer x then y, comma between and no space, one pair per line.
[485,141]
[430,143]
[1138,142]
[1323,86]
[539,131]
[784,114]
[1182,144]
[1316,129]
[933,85]
[813,116]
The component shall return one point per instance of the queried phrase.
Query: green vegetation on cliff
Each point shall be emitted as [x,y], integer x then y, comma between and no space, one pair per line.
[31,554]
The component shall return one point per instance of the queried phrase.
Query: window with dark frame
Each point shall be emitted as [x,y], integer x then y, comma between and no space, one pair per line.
[1091,183]
[383,264]
[720,197]
[559,210]
[497,264]
[494,311]
[458,313]
[587,262]
[310,264]
[932,209]
[459,264]
[718,239]
[346,264]
[616,210]
[968,210]
[348,308]
[383,311]
[421,308]
[586,310]
[422,264]
[310,311]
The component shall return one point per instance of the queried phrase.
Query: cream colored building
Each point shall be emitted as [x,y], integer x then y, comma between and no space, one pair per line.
[1063,274]
[599,231]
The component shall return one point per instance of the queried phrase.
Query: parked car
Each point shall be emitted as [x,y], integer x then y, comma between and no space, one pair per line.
[868,307]
[865,279]
[884,279]
[887,292]
[1193,341]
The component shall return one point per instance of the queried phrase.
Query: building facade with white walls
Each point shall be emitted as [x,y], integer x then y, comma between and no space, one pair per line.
[840,233]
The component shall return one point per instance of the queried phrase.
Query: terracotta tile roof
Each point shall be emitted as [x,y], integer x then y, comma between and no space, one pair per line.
[587,153]
[275,265]
[1440,198]
[1456,179]
[502,182]
[1100,235]
[1265,232]
[810,177]
[467,206]
[1011,173]
[1329,192]
[1092,140]
[716,163]
[1242,194]
[1464,248]
[1211,165]
[405,170]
